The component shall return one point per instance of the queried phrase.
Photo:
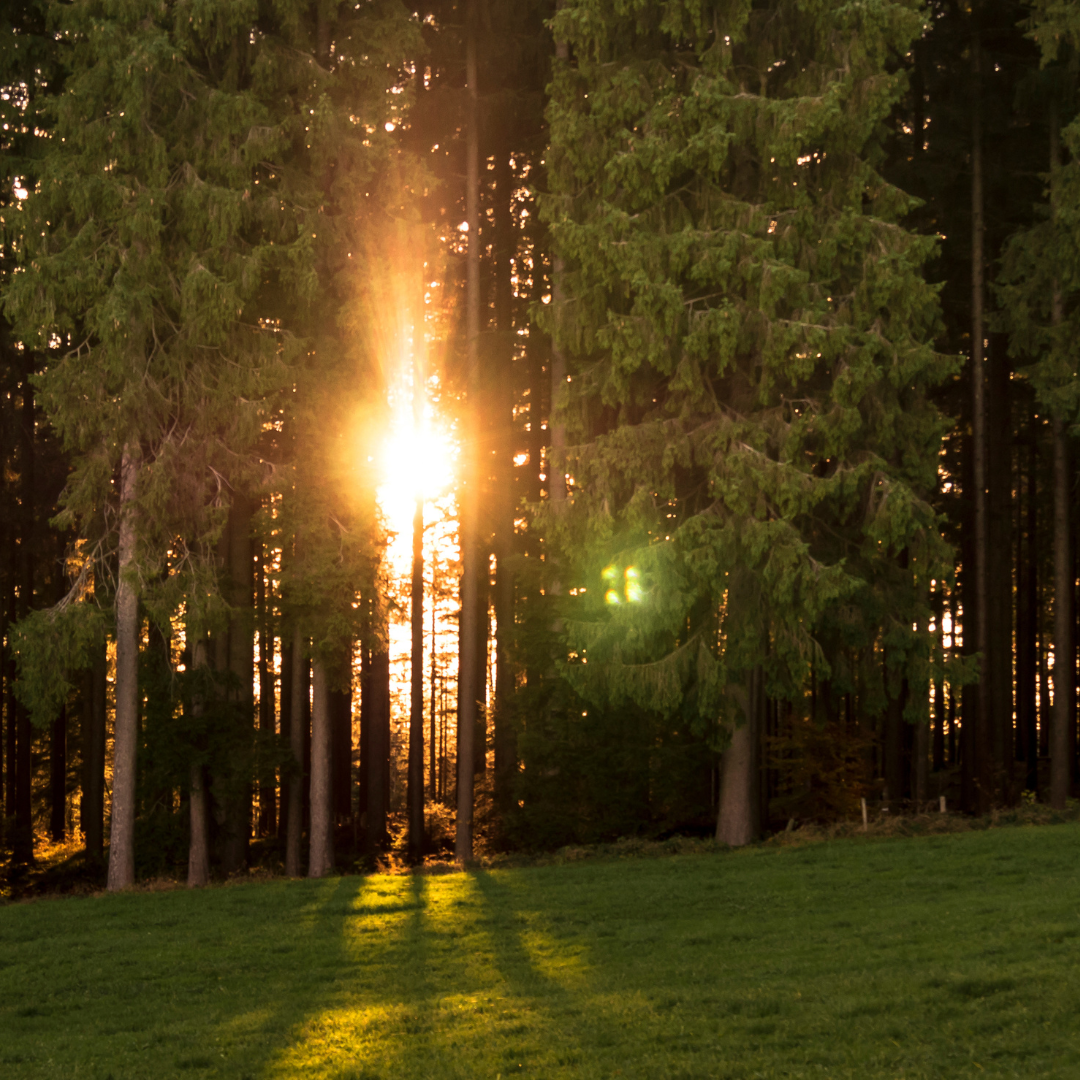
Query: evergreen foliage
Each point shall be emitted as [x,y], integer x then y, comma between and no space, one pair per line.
[753,442]
[1041,264]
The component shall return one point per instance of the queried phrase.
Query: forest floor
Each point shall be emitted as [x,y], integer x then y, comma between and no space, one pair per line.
[947,955]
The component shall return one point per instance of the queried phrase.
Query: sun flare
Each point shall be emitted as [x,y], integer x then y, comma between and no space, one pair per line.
[415,460]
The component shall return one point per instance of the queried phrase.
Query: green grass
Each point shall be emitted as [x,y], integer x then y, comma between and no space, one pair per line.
[943,956]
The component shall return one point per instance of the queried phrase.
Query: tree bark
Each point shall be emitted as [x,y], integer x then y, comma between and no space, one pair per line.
[893,748]
[983,760]
[122,827]
[469,525]
[23,838]
[503,736]
[239,642]
[920,762]
[199,848]
[285,728]
[267,711]
[735,817]
[58,776]
[320,856]
[94,721]
[415,794]
[416,689]
[199,845]
[378,749]
[298,715]
[1027,620]
[999,579]
[340,697]
[1061,714]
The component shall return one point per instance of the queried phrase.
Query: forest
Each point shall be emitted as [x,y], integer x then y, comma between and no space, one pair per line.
[496,426]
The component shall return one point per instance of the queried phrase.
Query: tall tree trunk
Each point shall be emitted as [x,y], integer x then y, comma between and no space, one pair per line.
[340,695]
[1061,717]
[482,656]
[416,613]
[470,536]
[504,735]
[982,759]
[122,826]
[58,776]
[237,793]
[199,846]
[11,737]
[893,750]
[1027,621]
[23,839]
[320,853]
[735,821]
[298,718]
[920,760]
[285,728]
[267,711]
[94,721]
[377,741]
[999,579]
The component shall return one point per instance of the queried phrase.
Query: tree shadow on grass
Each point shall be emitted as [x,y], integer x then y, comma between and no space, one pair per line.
[452,980]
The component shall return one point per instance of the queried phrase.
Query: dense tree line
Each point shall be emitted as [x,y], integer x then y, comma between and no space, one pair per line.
[755,321]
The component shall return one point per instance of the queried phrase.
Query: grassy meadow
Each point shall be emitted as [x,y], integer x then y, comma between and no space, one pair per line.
[941,956]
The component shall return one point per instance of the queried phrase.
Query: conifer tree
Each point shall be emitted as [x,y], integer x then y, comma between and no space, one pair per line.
[749,441]
[153,229]
[1040,292]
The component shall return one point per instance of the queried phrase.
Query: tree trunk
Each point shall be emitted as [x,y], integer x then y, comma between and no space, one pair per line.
[503,736]
[415,792]
[937,748]
[122,828]
[94,721]
[267,792]
[58,776]
[1061,716]
[199,849]
[999,579]
[285,728]
[298,716]
[920,759]
[23,839]
[340,698]
[236,789]
[468,692]
[735,823]
[1027,621]
[893,749]
[983,760]
[377,741]
[199,845]
[320,856]
[416,689]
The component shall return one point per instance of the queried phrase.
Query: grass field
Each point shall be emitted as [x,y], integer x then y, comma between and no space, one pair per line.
[943,956]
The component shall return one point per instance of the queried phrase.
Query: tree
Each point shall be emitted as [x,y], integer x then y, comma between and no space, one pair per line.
[751,444]
[1040,292]
[145,246]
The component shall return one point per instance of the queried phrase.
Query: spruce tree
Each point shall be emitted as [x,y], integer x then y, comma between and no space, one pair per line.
[750,445]
[1039,289]
[153,229]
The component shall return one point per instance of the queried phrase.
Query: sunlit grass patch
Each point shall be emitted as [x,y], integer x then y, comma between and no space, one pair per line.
[950,955]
